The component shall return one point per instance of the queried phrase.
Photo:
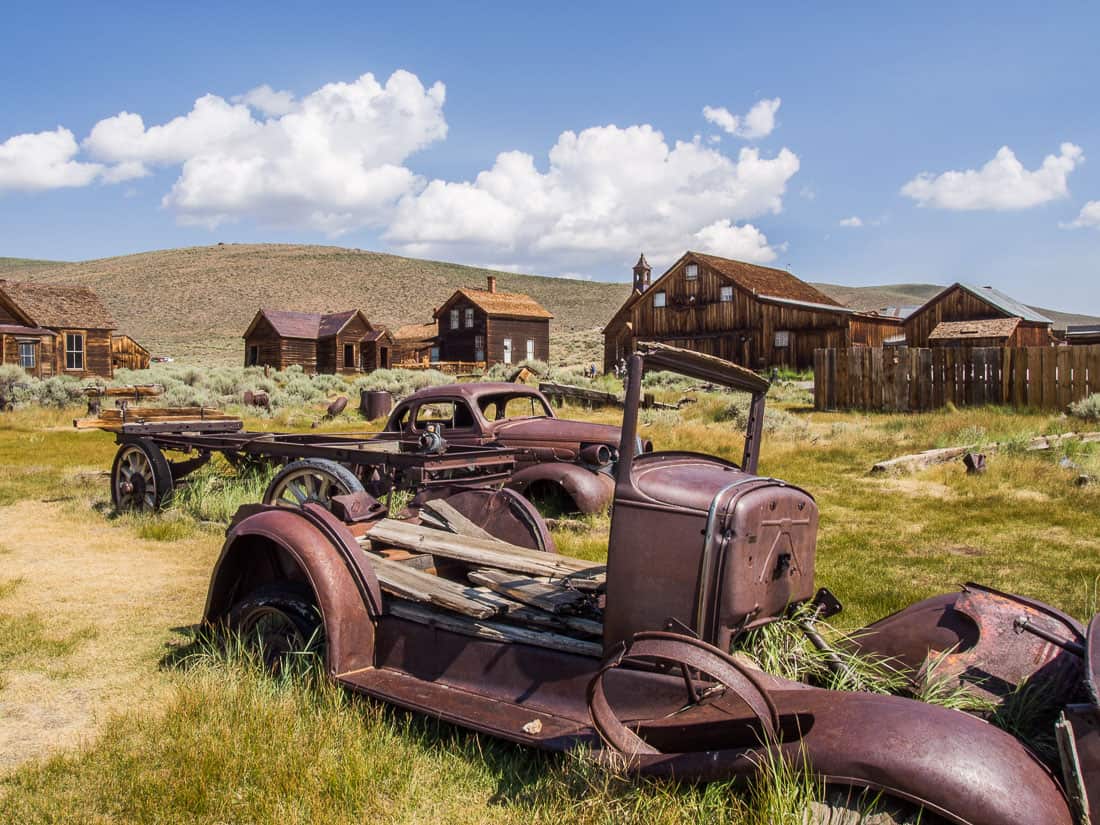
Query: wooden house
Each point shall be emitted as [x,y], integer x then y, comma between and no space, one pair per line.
[753,315]
[126,353]
[963,302]
[55,329]
[491,327]
[415,344]
[334,342]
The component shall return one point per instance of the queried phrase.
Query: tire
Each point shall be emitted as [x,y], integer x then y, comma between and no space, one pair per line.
[851,806]
[141,480]
[312,480]
[278,621]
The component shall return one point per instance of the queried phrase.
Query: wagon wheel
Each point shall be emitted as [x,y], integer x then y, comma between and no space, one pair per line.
[312,480]
[141,478]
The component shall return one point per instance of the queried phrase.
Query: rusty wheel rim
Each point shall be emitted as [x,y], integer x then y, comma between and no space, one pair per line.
[273,634]
[306,486]
[135,484]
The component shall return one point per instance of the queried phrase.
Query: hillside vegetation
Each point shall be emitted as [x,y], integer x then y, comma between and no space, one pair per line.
[195,303]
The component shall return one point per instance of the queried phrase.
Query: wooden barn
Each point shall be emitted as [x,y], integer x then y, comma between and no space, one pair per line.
[126,353]
[491,327]
[334,342]
[55,329]
[963,302]
[415,344]
[753,315]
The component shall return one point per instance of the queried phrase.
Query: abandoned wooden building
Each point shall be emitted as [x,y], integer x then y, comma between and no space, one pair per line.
[1083,334]
[126,353]
[754,315]
[491,327]
[55,329]
[415,344]
[334,342]
[964,302]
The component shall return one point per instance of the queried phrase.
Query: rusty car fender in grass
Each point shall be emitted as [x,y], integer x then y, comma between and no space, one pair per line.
[591,490]
[310,546]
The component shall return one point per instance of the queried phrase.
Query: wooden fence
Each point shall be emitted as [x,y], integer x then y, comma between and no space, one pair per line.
[901,379]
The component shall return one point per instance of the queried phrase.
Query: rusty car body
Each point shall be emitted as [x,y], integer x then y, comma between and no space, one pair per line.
[560,462]
[638,666]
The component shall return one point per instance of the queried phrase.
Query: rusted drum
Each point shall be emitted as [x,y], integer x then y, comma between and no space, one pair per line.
[374,404]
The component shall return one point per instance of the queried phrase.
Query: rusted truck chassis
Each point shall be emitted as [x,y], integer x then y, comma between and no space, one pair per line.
[701,550]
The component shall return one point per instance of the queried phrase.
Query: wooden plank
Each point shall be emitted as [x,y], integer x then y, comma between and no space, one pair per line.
[830,368]
[901,384]
[1023,376]
[532,592]
[1079,364]
[1049,367]
[939,367]
[876,377]
[454,520]
[843,401]
[480,552]
[926,380]
[409,583]
[819,379]
[493,631]
[1065,378]
[1094,369]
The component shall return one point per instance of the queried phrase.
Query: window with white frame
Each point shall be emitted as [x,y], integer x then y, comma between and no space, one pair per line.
[507,350]
[782,339]
[74,351]
[658,299]
[530,349]
[454,319]
[691,272]
[725,294]
[26,354]
[469,317]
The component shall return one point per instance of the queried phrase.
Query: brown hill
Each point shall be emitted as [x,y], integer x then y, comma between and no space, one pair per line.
[194,303]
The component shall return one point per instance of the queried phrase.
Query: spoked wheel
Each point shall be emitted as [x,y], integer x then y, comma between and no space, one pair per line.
[278,621]
[314,480]
[140,477]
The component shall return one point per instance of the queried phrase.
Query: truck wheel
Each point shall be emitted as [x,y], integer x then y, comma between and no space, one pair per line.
[312,480]
[855,807]
[141,479]
[279,621]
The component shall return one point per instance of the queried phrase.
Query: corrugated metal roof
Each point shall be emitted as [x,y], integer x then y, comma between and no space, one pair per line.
[985,328]
[775,299]
[1005,303]
[1082,329]
[899,311]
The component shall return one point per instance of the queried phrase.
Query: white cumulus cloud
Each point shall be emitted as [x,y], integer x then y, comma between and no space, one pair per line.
[745,242]
[606,193]
[1002,184]
[44,160]
[854,222]
[758,123]
[267,100]
[1088,218]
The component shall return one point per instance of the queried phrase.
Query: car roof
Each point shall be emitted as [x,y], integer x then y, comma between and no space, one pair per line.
[473,391]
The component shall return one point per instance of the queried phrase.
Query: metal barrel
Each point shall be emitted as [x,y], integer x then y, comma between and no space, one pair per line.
[375,404]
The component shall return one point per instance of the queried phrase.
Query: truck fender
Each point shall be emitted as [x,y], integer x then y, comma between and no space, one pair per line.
[311,546]
[590,490]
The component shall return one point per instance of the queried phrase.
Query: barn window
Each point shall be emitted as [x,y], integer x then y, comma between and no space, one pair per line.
[691,272]
[658,299]
[454,319]
[26,354]
[507,350]
[469,317]
[74,351]
[725,294]
[782,339]
[530,349]
[479,347]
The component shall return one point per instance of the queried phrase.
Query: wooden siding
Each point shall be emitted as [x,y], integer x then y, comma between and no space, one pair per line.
[459,344]
[520,331]
[45,356]
[126,353]
[872,330]
[268,345]
[742,329]
[958,304]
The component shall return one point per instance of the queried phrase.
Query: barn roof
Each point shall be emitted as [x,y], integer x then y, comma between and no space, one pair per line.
[415,332]
[1082,331]
[1007,305]
[58,305]
[308,325]
[763,280]
[503,304]
[903,311]
[986,328]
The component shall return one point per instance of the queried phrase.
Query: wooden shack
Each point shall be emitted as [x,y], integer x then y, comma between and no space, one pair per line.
[415,344]
[335,342]
[964,302]
[491,327]
[126,353]
[55,329]
[753,315]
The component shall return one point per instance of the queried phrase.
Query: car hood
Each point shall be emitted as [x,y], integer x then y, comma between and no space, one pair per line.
[558,429]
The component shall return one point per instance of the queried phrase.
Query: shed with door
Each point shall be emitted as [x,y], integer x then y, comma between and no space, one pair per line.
[332,342]
[489,327]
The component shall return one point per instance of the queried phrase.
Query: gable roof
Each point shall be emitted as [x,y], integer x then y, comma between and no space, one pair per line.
[985,328]
[311,326]
[58,305]
[500,304]
[763,280]
[415,332]
[1007,305]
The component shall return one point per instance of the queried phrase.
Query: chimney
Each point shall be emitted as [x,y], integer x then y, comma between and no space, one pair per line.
[492,283]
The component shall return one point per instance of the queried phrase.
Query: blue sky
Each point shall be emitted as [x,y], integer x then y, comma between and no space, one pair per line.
[586,125]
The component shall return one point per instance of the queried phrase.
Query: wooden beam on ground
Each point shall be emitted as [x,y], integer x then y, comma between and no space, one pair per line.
[929,458]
